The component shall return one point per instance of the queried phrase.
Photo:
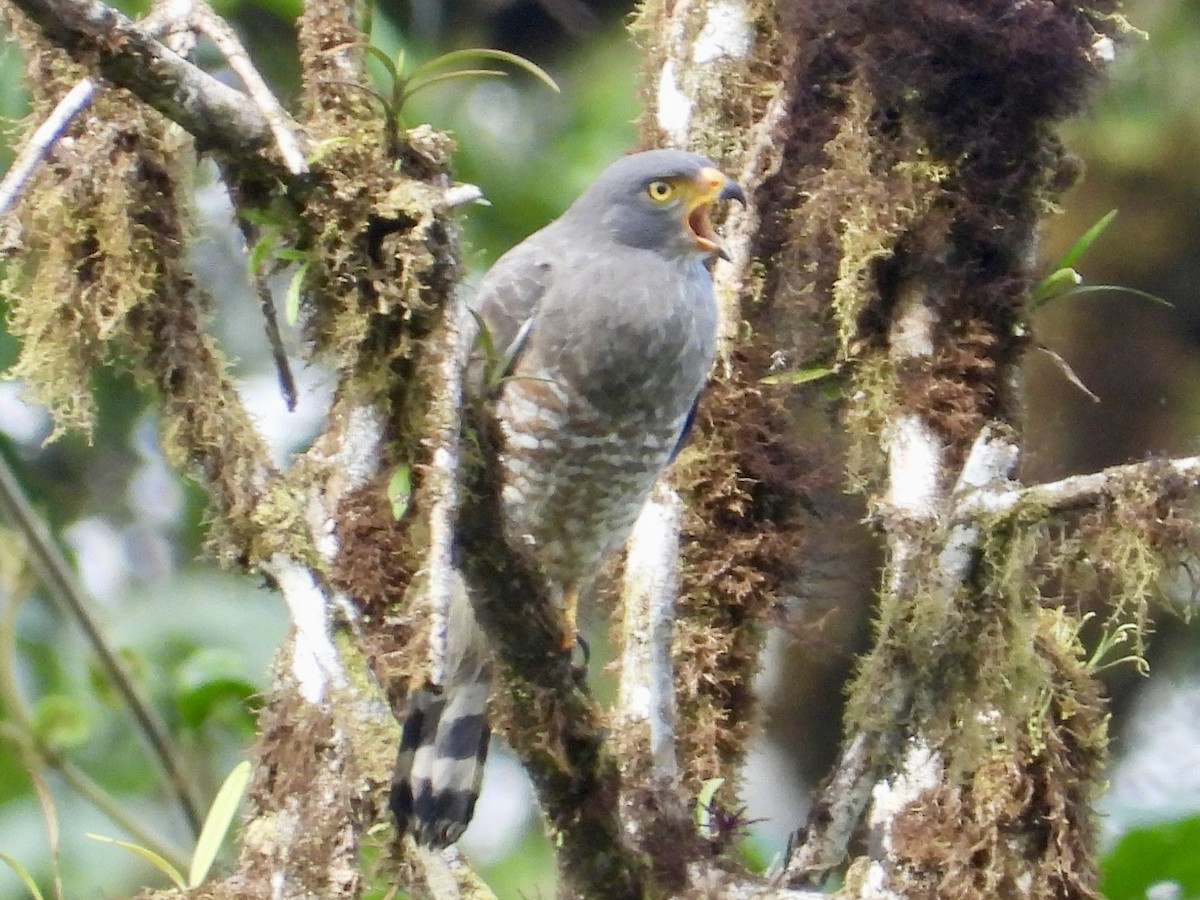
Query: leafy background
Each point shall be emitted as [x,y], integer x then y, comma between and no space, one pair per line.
[200,641]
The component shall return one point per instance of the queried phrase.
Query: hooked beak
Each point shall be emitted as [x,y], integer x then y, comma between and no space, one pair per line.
[711,186]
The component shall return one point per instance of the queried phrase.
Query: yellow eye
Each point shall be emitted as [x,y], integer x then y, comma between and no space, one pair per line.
[660,190]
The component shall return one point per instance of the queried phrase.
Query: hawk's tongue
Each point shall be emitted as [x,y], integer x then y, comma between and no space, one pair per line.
[706,235]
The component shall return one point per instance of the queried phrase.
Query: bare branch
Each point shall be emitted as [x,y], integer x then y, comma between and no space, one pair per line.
[218,31]
[647,691]
[221,118]
[652,800]
[75,101]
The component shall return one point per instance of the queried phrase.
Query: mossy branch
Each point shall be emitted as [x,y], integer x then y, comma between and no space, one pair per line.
[553,722]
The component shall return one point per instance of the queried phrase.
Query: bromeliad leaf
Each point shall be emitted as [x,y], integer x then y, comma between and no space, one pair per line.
[1056,284]
[217,822]
[447,76]
[23,874]
[1085,240]
[149,855]
[399,491]
[456,56]
[291,305]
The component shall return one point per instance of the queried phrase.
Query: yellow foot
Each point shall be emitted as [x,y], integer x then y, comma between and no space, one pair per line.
[570,607]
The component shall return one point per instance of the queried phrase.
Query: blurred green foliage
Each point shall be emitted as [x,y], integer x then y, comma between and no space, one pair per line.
[1145,857]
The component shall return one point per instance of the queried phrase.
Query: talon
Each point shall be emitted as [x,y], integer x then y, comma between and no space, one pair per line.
[585,650]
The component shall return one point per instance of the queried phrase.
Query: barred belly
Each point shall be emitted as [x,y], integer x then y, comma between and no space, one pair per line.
[575,484]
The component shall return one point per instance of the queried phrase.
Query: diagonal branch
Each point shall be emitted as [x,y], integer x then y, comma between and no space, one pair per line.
[556,727]
[1166,477]
[226,40]
[220,117]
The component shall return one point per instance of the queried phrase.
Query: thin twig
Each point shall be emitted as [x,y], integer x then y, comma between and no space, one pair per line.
[283,368]
[1083,491]
[50,817]
[58,578]
[72,104]
[266,304]
[823,844]
[218,31]
[32,154]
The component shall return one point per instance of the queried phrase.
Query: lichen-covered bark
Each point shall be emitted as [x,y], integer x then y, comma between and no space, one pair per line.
[899,157]
[769,535]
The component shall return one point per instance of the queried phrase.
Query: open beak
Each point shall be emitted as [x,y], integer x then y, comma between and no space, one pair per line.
[711,186]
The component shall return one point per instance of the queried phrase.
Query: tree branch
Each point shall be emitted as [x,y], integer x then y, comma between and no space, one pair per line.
[221,119]
[1172,478]
[554,723]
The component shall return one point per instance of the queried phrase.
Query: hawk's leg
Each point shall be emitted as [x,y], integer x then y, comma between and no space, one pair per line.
[570,611]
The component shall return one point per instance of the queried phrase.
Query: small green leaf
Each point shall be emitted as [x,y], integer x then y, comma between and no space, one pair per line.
[1056,284]
[483,340]
[384,60]
[799,376]
[1085,240]
[456,56]
[291,254]
[263,218]
[261,250]
[216,823]
[149,855]
[291,304]
[212,681]
[23,874]
[399,491]
[708,790]
[59,722]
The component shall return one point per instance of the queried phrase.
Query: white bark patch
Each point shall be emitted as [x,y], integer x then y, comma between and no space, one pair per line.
[726,33]
[920,772]
[911,334]
[314,658]
[914,467]
[1103,49]
[358,457]
[674,106]
[650,584]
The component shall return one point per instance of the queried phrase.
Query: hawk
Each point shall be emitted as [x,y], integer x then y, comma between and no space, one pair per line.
[607,322]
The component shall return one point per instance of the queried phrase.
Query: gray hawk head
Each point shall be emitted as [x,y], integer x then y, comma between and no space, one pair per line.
[658,200]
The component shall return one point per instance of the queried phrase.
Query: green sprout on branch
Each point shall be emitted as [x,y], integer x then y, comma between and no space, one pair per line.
[403,87]
[1064,279]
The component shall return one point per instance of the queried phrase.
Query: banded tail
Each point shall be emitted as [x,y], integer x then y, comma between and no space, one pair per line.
[439,767]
